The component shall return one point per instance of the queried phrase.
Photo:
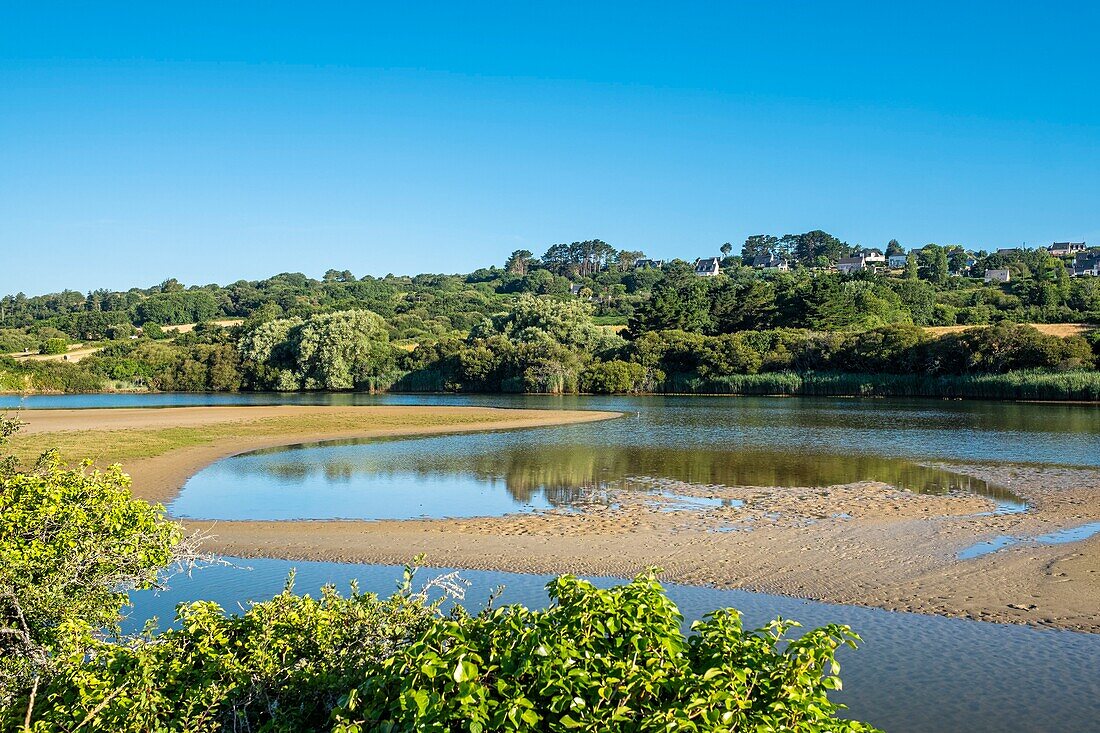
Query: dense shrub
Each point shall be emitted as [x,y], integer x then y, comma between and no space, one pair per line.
[53,346]
[617,377]
[600,660]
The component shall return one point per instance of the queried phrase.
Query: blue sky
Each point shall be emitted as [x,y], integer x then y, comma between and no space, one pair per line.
[217,141]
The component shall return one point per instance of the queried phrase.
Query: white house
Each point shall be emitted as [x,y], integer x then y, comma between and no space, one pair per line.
[896,262]
[708,266]
[871,257]
[997,276]
[1064,249]
[848,265]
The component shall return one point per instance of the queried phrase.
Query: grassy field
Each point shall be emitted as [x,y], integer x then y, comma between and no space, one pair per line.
[1051,329]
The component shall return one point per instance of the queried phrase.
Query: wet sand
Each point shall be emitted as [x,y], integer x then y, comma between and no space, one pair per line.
[865,543]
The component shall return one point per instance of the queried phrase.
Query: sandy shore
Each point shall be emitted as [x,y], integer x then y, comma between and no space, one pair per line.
[865,543]
[890,549]
[236,430]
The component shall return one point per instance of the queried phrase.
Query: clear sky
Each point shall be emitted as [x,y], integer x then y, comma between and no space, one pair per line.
[217,141]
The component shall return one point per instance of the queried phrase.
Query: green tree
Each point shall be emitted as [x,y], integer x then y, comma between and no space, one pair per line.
[933,264]
[518,262]
[545,320]
[613,377]
[676,303]
[343,350]
[758,244]
[53,346]
[912,266]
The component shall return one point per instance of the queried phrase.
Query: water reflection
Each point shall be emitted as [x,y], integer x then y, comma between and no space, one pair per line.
[491,474]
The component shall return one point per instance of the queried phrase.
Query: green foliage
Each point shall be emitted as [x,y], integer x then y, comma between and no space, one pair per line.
[617,377]
[342,350]
[153,330]
[46,376]
[600,660]
[679,304]
[534,320]
[282,665]
[53,346]
[72,542]
[335,351]
[193,306]
[1021,385]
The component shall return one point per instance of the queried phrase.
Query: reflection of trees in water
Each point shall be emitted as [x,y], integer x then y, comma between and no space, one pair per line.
[569,474]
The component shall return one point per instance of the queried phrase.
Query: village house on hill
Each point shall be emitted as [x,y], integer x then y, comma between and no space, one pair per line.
[769,261]
[1065,249]
[997,276]
[1086,264]
[865,261]
[896,262]
[708,267]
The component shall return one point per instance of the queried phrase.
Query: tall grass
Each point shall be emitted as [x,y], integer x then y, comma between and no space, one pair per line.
[1020,385]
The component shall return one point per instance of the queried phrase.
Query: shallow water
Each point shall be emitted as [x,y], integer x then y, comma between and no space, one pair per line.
[1059,537]
[912,674]
[653,449]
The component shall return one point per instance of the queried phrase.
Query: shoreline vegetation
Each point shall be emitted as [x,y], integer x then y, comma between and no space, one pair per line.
[588,319]
[1077,385]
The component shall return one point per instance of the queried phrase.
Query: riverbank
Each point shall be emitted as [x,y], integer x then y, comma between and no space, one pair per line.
[863,543]
[161,448]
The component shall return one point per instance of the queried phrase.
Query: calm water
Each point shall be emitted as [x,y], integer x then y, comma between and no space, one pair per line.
[950,430]
[496,473]
[913,674]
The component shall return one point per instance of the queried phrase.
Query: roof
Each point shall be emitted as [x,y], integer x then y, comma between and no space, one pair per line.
[767,260]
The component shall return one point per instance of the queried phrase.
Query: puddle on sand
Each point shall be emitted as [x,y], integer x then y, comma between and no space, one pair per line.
[1060,537]
[668,501]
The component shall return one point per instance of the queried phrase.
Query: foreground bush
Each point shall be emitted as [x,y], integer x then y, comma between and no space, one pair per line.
[282,665]
[72,542]
[600,660]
